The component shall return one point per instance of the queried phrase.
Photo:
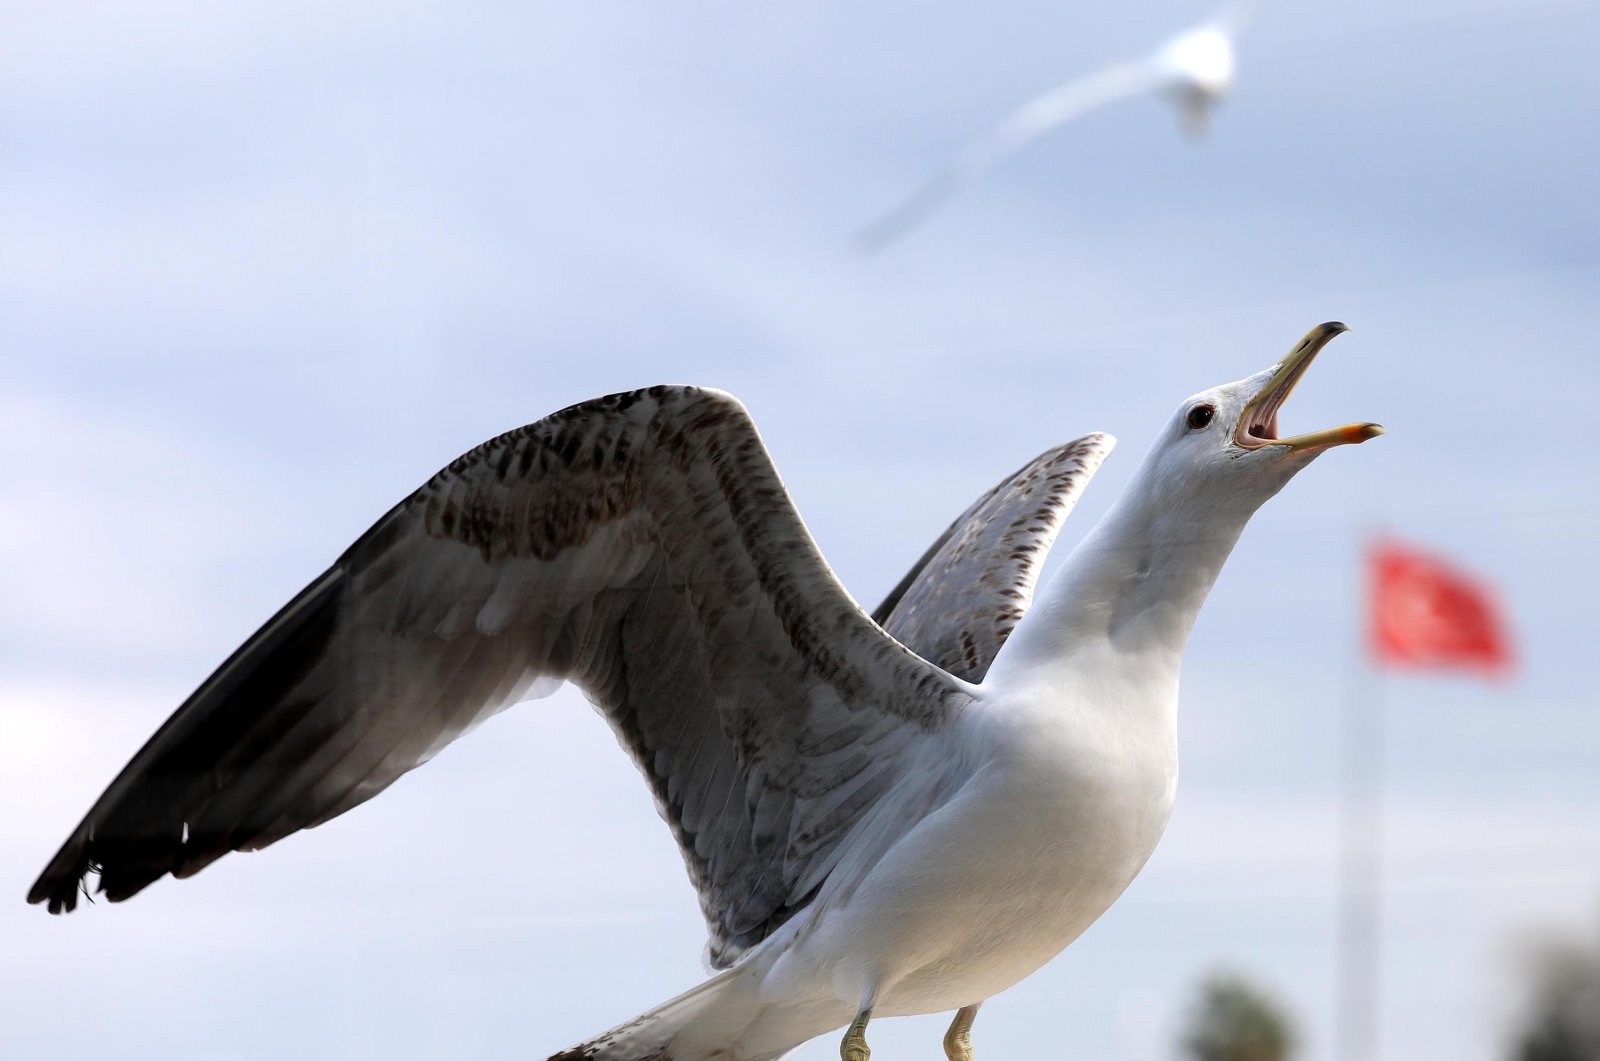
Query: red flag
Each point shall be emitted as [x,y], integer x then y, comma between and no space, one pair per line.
[1425,613]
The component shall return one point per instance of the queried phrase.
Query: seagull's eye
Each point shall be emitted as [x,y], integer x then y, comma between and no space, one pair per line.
[1200,416]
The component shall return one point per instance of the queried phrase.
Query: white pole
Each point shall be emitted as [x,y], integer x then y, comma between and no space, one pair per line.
[1360,865]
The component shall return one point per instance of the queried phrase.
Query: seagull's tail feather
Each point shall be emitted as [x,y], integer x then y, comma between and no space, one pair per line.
[706,1023]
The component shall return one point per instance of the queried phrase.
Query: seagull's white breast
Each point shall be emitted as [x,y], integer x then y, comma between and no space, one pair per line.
[1067,805]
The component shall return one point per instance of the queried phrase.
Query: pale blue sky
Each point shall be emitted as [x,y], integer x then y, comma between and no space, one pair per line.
[264,268]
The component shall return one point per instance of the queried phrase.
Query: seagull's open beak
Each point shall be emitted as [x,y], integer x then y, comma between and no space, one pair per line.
[1258,424]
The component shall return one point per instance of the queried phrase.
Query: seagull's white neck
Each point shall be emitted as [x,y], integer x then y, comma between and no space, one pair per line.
[1121,608]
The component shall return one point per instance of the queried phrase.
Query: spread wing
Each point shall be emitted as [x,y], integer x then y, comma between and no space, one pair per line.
[641,546]
[960,602]
[1018,129]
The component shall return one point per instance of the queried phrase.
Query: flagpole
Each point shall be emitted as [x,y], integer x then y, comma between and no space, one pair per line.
[1419,611]
[1361,753]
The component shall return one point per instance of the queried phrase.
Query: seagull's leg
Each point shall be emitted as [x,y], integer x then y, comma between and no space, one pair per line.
[854,1047]
[958,1040]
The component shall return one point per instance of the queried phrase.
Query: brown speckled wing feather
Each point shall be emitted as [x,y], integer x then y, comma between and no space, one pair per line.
[960,602]
[641,546]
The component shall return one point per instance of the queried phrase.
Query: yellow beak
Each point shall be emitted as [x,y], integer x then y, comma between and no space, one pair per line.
[1258,424]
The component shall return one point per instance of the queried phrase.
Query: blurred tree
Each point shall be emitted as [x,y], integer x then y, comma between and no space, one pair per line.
[1562,1021]
[1235,1022]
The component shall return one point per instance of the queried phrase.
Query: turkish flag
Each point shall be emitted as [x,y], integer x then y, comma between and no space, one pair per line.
[1424,613]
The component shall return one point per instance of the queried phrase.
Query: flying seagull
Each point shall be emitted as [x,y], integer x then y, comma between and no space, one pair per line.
[871,830]
[1194,70]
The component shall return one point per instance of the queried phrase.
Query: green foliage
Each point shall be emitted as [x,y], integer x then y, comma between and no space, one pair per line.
[1235,1022]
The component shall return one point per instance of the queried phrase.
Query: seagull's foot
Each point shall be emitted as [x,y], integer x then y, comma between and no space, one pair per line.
[958,1040]
[854,1047]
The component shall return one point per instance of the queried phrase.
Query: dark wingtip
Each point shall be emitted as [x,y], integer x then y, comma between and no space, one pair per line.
[64,878]
[58,897]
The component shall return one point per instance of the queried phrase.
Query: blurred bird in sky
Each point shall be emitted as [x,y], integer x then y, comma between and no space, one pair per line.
[1194,69]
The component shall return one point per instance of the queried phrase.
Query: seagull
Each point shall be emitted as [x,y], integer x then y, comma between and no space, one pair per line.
[1194,70]
[899,813]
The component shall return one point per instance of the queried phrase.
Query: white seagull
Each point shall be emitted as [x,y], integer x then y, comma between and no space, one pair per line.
[1194,70]
[871,831]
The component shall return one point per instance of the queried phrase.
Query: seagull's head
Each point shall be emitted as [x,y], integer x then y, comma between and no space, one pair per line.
[1197,69]
[1223,450]
[1203,59]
